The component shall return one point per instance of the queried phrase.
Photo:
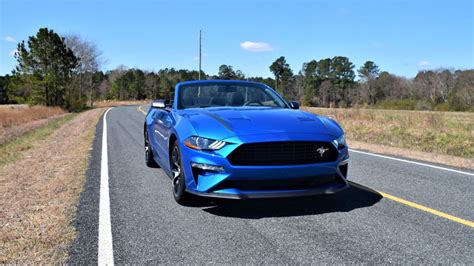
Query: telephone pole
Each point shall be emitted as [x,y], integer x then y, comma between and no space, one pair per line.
[200,55]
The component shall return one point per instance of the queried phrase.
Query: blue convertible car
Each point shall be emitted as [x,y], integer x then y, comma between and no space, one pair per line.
[239,139]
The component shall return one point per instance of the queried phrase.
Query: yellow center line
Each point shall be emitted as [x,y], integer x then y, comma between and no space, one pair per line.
[417,206]
[400,200]
[139,108]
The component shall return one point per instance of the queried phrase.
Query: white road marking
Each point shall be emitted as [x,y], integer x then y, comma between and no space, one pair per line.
[106,252]
[413,162]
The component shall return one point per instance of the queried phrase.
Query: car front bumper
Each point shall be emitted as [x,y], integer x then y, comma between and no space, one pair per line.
[249,182]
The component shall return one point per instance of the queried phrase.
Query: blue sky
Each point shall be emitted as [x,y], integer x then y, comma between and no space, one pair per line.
[401,37]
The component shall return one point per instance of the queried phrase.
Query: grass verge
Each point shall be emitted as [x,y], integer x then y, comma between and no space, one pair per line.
[40,190]
[447,133]
[11,151]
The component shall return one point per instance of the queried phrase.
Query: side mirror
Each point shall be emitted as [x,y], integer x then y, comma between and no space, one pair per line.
[294,105]
[158,104]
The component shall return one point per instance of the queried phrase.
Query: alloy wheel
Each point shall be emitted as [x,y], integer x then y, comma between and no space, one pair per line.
[176,170]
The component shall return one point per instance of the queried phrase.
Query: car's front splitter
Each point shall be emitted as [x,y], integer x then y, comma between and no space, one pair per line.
[232,193]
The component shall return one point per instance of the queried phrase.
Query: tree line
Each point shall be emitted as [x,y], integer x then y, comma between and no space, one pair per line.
[64,71]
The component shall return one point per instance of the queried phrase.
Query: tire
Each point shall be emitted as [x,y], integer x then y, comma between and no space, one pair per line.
[178,177]
[149,160]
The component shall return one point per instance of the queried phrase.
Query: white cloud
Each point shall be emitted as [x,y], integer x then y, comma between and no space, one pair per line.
[424,63]
[12,53]
[9,39]
[256,46]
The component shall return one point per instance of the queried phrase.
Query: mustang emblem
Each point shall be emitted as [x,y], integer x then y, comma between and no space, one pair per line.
[322,150]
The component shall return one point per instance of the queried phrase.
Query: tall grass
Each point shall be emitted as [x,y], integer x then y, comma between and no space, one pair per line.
[11,115]
[450,133]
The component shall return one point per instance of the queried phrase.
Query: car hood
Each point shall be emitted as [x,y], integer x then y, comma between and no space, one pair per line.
[225,122]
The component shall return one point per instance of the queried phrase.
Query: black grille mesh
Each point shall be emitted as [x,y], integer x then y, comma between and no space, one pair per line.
[283,153]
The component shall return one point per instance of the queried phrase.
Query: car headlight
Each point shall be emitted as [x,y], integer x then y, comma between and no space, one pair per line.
[340,142]
[200,143]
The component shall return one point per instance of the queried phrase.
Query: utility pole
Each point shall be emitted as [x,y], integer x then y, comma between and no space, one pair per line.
[200,56]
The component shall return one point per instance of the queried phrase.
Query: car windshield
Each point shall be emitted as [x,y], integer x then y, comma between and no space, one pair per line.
[236,95]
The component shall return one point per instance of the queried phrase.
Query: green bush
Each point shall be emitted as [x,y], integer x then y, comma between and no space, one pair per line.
[457,102]
[443,107]
[400,104]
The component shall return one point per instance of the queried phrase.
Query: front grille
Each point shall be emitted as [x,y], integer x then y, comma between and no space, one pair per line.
[283,153]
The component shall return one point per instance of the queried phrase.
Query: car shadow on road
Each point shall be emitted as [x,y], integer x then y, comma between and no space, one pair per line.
[344,201]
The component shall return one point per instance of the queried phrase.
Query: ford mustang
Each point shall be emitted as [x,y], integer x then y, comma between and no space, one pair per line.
[240,139]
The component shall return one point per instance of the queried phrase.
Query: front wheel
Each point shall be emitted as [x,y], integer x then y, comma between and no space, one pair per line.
[178,177]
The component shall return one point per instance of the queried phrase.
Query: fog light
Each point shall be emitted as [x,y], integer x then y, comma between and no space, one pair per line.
[208,167]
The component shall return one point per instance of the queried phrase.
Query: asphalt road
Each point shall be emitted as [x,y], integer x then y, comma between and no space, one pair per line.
[354,226]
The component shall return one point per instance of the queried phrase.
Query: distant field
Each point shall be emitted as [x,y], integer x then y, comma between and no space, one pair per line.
[450,133]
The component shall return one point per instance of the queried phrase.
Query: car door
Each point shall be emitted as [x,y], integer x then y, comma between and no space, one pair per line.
[157,137]
[162,129]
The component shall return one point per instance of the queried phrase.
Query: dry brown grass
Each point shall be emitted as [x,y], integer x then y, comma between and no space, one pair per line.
[40,191]
[14,115]
[8,134]
[447,133]
[119,103]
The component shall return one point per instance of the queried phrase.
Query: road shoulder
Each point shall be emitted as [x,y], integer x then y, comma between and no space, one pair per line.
[84,248]
[40,191]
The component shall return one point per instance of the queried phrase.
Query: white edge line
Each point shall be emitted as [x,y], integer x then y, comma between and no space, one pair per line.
[413,162]
[105,248]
